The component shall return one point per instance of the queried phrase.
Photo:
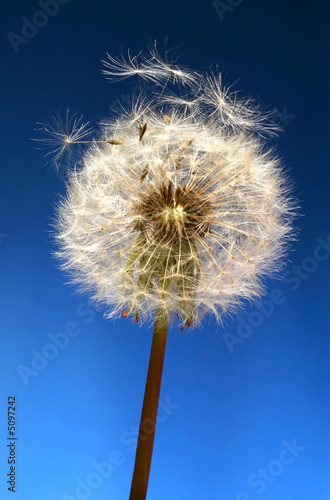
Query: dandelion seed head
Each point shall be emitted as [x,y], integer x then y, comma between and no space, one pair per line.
[185,210]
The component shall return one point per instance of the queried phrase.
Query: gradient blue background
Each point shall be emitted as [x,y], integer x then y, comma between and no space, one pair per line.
[234,409]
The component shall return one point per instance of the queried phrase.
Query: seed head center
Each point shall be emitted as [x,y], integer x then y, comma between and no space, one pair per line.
[177,212]
[175,215]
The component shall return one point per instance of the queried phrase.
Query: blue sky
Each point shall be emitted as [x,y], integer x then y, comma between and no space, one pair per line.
[244,408]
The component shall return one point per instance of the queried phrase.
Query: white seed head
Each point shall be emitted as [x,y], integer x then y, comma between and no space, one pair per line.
[180,207]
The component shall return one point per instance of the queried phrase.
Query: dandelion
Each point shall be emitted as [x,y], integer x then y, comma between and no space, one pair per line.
[177,211]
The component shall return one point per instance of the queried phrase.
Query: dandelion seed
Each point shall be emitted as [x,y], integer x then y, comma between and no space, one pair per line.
[142,131]
[114,141]
[59,132]
[144,173]
[151,67]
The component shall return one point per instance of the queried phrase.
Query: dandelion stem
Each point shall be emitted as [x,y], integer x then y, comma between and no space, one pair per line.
[149,411]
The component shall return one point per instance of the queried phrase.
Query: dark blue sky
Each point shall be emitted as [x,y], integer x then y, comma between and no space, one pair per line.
[245,408]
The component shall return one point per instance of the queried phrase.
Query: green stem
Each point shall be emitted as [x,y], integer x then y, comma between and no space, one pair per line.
[149,411]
